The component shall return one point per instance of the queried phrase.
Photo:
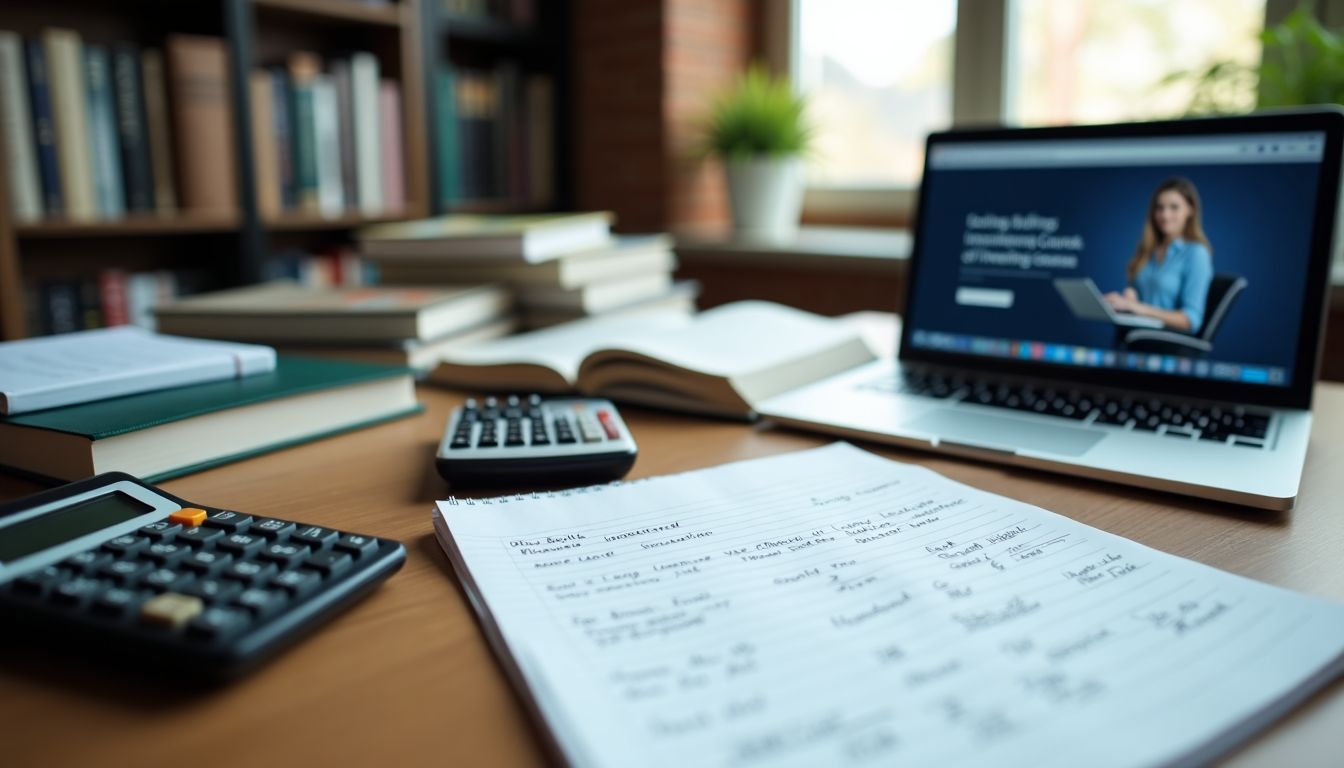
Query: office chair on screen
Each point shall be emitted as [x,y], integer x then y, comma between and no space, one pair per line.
[1223,293]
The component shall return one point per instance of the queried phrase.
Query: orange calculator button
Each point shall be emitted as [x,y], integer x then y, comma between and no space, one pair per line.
[188,516]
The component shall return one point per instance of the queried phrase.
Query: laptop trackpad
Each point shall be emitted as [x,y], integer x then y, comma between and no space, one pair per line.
[1005,432]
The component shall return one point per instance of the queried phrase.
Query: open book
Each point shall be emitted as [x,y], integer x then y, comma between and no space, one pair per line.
[722,361]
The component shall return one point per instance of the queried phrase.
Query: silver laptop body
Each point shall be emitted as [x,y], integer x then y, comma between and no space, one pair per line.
[1086,303]
[995,363]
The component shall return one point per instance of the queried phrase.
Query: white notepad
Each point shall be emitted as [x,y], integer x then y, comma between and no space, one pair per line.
[831,607]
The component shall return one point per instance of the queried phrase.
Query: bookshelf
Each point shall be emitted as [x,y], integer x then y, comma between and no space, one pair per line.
[241,243]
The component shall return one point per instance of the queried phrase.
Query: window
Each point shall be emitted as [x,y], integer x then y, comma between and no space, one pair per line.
[881,74]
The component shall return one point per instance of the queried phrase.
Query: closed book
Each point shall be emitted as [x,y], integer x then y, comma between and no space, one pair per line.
[112,288]
[525,238]
[44,129]
[202,122]
[158,132]
[158,435]
[420,356]
[626,256]
[680,298]
[448,159]
[16,126]
[540,141]
[303,70]
[345,115]
[285,312]
[282,113]
[113,362]
[264,152]
[60,306]
[132,134]
[327,144]
[393,161]
[595,298]
[364,92]
[107,181]
[65,69]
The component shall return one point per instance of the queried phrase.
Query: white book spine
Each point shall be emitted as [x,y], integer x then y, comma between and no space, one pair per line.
[16,123]
[65,65]
[369,175]
[326,125]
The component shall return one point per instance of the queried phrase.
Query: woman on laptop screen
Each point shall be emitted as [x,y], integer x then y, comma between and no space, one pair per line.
[1172,266]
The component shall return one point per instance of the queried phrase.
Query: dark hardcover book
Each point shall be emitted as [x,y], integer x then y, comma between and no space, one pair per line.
[44,128]
[132,136]
[60,300]
[345,120]
[303,71]
[284,136]
[102,128]
[449,156]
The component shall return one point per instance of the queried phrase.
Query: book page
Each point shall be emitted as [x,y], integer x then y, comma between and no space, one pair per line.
[832,607]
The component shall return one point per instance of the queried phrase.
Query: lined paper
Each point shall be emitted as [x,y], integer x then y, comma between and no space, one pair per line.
[832,607]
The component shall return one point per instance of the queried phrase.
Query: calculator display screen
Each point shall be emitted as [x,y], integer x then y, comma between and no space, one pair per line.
[61,525]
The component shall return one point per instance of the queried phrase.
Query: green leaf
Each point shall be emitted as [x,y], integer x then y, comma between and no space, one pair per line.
[761,115]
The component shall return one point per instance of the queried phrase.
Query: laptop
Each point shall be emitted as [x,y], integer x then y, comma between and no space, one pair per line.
[1087,303]
[993,364]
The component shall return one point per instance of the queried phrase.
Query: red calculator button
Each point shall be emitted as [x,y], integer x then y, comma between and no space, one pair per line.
[608,424]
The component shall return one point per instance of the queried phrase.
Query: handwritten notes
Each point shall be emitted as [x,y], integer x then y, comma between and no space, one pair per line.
[832,607]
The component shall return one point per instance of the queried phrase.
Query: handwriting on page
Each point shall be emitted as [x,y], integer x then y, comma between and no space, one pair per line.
[860,615]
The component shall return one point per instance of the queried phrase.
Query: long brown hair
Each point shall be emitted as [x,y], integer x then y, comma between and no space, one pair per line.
[1194,231]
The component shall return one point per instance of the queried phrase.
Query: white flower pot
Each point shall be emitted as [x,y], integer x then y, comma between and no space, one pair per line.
[766,195]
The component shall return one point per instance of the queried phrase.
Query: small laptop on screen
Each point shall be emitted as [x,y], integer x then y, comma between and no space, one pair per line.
[1217,232]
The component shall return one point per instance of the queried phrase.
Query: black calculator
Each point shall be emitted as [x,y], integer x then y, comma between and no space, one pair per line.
[518,441]
[113,564]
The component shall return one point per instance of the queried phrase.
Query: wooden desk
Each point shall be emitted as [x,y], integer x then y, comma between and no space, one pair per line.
[405,678]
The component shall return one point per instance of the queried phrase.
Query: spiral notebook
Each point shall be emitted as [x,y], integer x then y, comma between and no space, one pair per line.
[830,607]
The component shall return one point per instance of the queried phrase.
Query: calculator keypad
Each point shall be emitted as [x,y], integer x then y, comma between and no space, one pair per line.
[519,423]
[204,583]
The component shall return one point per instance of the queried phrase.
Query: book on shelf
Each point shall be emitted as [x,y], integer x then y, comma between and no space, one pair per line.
[282,135]
[679,298]
[285,312]
[304,68]
[155,84]
[16,127]
[327,147]
[64,53]
[109,298]
[596,298]
[132,134]
[420,356]
[721,362]
[625,256]
[345,116]
[44,128]
[390,146]
[524,238]
[163,434]
[108,188]
[265,153]
[55,371]
[331,267]
[364,102]
[203,122]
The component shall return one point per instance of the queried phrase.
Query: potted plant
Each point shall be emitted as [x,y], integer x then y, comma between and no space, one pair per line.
[759,131]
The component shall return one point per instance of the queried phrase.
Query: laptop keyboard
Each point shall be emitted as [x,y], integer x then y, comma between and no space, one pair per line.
[1178,419]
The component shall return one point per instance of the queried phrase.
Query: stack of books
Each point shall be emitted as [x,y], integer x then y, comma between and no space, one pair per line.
[328,137]
[562,267]
[410,327]
[161,406]
[103,132]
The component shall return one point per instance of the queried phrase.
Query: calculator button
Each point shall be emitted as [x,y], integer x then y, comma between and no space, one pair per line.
[166,554]
[357,545]
[206,563]
[241,544]
[488,441]
[260,602]
[270,528]
[118,602]
[608,424]
[297,583]
[218,623]
[250,572]
[125,571]
[314,536]
[85,562]
[513,441]
[284,554]
[328,563]
[189,517]
[166,580]
[460,442]
[76,592]
[171,610]
[198,537]
[161,530]
[40,582]
[214,590]
[127,545]
[228,521]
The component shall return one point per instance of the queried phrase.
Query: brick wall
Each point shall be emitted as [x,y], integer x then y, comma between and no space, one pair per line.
[645,72]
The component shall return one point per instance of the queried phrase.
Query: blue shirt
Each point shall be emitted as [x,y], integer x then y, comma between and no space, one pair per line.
[1180,281]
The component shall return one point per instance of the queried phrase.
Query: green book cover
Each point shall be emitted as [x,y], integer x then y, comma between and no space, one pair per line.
[292,377]
[304,131]
[449,157]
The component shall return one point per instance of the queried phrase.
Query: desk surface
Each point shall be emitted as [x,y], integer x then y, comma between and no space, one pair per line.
[405,678]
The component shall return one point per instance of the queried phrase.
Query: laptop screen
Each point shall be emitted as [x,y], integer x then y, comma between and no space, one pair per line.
[1162,256]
